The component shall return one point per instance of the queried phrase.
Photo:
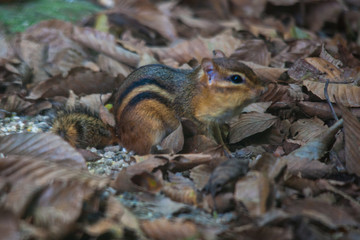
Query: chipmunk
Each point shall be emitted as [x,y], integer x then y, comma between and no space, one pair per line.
[82,128]
[152,100]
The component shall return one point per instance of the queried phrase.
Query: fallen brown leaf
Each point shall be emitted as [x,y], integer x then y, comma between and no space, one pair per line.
[164,229]
[149,15]
[322,212]
[42,145]
[253,191]
[348,95]
[352,140]
[181,193]
[307,129]
[139,177]
[174,142]
[253,51]
[198,48]
[262,232]
[43,191]
[200,175]
[93,101]
[182,162]
[80,80]
[226,172]
[13,103]
[48,49]
[116,222]
[221,203]
[250,124]
[106,116]
[304,160]
[315,68]
[112,67]
[104,43]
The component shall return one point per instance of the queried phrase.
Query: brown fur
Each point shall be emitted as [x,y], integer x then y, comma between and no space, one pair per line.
[143,127]
[82,128]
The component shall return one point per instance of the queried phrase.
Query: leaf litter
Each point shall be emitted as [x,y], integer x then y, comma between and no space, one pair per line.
[293,172]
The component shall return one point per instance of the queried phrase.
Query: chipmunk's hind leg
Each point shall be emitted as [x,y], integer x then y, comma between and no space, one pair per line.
[145,126]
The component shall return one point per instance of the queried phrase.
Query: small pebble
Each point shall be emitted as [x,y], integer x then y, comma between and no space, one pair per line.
[100,171]
[109,154]
[93,150]
[109,162]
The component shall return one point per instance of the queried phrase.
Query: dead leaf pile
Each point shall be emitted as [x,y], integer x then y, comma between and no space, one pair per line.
[294,169]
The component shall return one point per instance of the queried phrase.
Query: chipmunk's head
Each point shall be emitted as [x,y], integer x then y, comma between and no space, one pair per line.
[226,86]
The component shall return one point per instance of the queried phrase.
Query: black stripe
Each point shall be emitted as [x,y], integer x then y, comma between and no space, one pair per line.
[141,82]
[145,96]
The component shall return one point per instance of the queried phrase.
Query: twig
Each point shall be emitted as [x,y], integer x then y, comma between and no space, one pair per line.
[328,100]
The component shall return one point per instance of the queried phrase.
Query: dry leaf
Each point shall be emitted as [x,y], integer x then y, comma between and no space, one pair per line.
[304,160]
[106,116]
[352,141]
[253,191]
[59,206]
[149,163]
[80,80]
[42,145]
[117,221]
[174,142]
[104,43]
[221,203]
[264,232]
[307,129]
[48,186]
[139,177]
[113,67]
[200,175]
[253,51]
[250,124]
[322,110]
[322,212]
[94,101]
[248,8]
[183,162]
[226,172]
[259,107]
[348,95]
[322,12]
[198,48]
[315,68]
[48,49]
[198,144]
[13,103]
[88,155]
[164,229]
[181,193]
[276,93]
[269,165]
[149,15]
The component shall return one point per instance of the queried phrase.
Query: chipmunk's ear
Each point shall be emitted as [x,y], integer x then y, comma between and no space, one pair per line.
[209,69]
[218,54]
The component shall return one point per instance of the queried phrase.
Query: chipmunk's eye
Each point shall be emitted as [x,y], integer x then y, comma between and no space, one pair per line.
[237,79]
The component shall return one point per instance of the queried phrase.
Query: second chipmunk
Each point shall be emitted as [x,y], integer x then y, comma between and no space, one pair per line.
[152,100]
